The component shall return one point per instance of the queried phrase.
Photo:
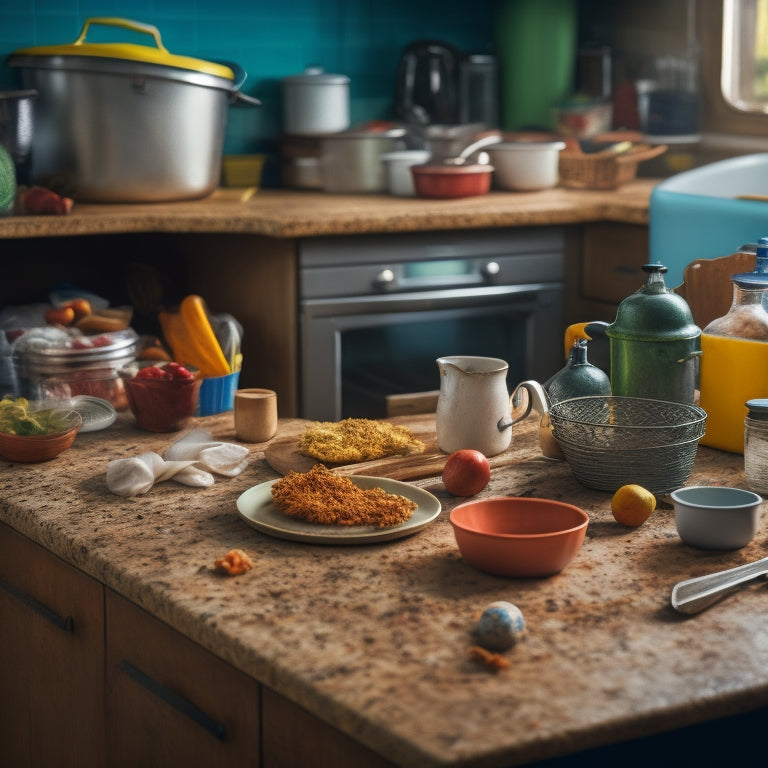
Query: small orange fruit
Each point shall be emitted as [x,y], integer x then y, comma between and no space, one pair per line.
[632,505]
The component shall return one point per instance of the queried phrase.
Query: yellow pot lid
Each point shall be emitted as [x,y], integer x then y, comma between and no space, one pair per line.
[129,52]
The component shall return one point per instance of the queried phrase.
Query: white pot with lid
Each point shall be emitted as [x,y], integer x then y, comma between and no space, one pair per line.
[315,103]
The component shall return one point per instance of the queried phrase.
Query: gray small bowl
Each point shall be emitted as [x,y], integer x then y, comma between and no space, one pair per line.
[714,517]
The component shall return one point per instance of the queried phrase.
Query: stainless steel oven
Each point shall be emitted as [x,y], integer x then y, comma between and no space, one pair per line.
[377,311]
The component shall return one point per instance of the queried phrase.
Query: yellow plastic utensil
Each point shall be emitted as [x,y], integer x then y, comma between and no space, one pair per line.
[189,334]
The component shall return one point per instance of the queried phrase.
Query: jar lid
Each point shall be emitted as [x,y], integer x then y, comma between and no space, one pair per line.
[62,56]
[758,278]
[316,76]
[95,412]
[50,350]
[758,409]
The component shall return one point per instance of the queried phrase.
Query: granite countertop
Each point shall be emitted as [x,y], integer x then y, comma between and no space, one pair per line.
[288,214]
[374,639]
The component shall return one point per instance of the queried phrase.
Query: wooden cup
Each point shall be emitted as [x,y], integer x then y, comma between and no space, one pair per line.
[255,415]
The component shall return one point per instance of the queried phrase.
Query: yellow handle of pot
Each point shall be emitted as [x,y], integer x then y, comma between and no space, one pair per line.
[146,54]
[133,26]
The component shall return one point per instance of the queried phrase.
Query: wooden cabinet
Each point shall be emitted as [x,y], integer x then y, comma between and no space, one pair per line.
[251,277]
[51,659]
[319,745]
[603,267]
[88,679]
[171,702]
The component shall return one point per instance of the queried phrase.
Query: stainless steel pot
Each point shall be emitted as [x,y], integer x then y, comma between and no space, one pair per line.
[315,103]
[122,122]
[16,125]
[351,160]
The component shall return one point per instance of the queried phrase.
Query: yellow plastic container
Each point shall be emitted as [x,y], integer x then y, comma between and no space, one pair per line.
[732,372]
[242,170]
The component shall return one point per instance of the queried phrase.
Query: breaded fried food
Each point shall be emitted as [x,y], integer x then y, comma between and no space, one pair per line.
[352,440]
[233,563]
[322,496]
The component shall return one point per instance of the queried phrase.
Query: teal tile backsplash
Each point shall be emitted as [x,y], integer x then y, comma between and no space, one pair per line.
[270,39]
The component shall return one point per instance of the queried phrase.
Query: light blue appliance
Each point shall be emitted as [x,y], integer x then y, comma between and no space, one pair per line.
[698,214]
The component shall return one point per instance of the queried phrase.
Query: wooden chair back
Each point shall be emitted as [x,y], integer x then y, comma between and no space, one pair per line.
[707,285]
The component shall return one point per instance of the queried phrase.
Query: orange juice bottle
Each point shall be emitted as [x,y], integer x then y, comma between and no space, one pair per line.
[734,360]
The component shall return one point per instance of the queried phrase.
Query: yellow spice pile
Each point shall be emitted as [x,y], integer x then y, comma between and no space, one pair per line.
[353,440]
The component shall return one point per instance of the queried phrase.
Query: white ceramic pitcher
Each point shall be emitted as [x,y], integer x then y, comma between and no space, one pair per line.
[474,409]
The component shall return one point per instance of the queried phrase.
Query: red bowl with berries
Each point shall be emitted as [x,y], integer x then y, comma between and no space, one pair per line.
[163,396]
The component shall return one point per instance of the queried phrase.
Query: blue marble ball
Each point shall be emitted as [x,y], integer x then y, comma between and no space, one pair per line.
[500,626]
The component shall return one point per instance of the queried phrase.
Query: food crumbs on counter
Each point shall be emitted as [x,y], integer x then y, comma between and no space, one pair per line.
[493,661]
[233,563]
[322,496]
[353,440]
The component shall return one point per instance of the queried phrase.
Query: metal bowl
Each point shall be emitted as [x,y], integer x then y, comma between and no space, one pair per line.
[612,441]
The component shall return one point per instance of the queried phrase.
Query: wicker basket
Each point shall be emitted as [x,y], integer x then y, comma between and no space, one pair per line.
[604,171]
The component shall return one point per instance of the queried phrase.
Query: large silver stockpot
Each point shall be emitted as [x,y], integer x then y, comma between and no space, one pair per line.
[121,122]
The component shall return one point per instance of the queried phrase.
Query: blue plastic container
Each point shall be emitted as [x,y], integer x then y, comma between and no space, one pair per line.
[697,214]
[217,394]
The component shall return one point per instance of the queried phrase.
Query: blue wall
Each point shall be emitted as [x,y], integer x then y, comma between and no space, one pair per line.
[270,39]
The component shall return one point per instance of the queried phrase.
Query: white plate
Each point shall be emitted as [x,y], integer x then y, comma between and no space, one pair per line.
[257,508]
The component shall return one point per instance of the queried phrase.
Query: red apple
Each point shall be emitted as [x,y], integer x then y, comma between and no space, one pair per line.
[466,472]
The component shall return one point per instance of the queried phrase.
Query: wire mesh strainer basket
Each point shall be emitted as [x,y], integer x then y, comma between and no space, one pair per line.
[613,441]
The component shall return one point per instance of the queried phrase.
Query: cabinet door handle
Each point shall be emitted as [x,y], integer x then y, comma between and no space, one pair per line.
[174,699]
[67,623]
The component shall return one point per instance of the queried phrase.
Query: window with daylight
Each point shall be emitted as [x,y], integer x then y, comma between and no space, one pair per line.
[744,69]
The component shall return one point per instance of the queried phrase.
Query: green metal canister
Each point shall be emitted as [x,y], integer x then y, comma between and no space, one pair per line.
[654,343]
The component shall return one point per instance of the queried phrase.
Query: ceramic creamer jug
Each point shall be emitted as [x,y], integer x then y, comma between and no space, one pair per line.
[474,409]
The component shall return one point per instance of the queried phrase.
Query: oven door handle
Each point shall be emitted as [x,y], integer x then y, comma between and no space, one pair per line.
[452,298]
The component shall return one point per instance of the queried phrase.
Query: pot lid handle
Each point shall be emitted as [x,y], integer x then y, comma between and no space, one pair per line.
[129,51]
[134,26]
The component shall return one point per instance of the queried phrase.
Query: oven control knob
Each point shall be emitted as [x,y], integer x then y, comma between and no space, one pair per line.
[384,278]
[491,269]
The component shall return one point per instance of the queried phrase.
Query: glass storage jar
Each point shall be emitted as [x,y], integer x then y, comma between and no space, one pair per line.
[734,363]
[58,364]
[756,445]
[747,317]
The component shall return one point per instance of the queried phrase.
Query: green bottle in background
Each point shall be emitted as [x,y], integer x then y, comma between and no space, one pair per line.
[536,45]
[7,181]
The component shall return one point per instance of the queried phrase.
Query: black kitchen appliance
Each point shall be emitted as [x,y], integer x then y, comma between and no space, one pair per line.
[428,82]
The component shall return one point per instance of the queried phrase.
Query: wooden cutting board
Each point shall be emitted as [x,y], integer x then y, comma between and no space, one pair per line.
[282,454]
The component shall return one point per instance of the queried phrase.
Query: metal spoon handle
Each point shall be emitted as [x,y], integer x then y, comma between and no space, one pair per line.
[694,595]
[485,141]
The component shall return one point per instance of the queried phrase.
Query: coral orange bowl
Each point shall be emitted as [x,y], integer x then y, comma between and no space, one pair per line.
[519,537]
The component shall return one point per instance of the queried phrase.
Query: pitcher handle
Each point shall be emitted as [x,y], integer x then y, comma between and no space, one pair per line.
[537,400]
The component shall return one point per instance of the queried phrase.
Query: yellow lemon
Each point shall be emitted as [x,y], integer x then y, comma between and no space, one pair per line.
[632,505]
